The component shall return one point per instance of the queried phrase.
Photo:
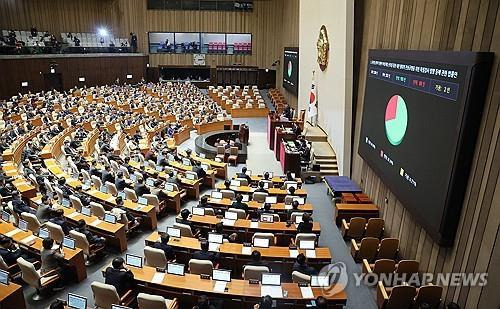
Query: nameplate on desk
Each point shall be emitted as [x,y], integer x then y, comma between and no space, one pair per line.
[73,214]
[287,206]
[311,254]
[254,225]
[13,232]
[28,241]
[158,278]
[96,222]
[228,222]
[138,208]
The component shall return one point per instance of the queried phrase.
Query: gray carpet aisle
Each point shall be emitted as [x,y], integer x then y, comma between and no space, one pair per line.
[260,159]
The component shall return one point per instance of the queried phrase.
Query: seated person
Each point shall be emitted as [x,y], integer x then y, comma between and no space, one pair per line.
[204,254]
[260,188]
[163,245]
[19,205]
[107,175]
[61,184]
[238,204]
[120,182]
[162,195]
[266,176]
[321,303]
[44,210]
[119,209]
[300,265]
[119,276]
[288,176]
[185,213]
[58,218]
[203,202]
[257,260]
[172,178]
[91,238]
[199,170]
[205,303]
[291,190]
[219,229]
[295,208]
[265,210]
[265,303]
[306,225]
[51,258]
[140,188]
[227,185]
[83,197]
[244,175]
[9,251]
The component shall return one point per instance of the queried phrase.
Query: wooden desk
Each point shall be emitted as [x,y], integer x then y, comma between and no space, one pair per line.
[239,293]
[232,256]
[279,136]
[279,208]
[115,234]
[182,136]
[348,211]
[11,296]
[290,160]
[355,198]
[209,179]
[107,200]
[245,230]
[280,193]
[278,181]
[212,126]
[73,257]
[272,123]
[249,112]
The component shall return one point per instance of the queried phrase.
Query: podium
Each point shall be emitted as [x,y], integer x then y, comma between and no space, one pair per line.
[273,121]
[282,134]
[289,159]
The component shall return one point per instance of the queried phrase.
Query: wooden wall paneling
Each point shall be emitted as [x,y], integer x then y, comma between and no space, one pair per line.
[444,25]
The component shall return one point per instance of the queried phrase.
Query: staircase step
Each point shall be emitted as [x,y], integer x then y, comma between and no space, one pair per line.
[328,166]
[325,161]
[325,157]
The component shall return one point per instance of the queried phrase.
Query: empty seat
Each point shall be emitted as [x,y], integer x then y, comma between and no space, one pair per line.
[355,229]
[254,272]
[199,267]
[298,277]
[367,249]
[105,295]
[149,301]
[398,297]
[56,232]
[261,235]
[155,257]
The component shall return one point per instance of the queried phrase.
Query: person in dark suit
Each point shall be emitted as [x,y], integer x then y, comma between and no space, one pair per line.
[107,175]
[140,188]
[289,177]
[306,225]
[257,260]
[9,251]
[321,303]
[265,210]
[261,188]
[19,205]
[203,202]
[301,266]
[199,170]
[185,213]
[204,254]
[61,184]
[295,208]
[119,276]
[163,245]
[244,175]
[265,303]
[91,238]
[83,197]
[172,178]
[238,204]
[58,218]
[120,183]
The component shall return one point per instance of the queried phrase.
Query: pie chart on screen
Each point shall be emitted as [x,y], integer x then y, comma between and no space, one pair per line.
[396,120]
[290,67]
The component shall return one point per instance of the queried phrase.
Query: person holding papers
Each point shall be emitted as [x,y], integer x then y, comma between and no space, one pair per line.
[306,225]
[204,254]
[238,204]
[301,266]
[163,245]
[119,276]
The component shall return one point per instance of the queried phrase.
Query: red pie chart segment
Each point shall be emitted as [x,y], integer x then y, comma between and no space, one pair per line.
[392,105]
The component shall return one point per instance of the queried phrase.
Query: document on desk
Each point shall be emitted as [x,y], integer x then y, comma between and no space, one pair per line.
[246,250]
[294,253]
[110,199]
[158,278]
[220,286]
[288,206]
[28,241]
[274,291]
[73,214]
[311,254]
[306,292]
[254,225]
[228,222]
[213,247]
[138,208]
[12,233]
[96,222]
